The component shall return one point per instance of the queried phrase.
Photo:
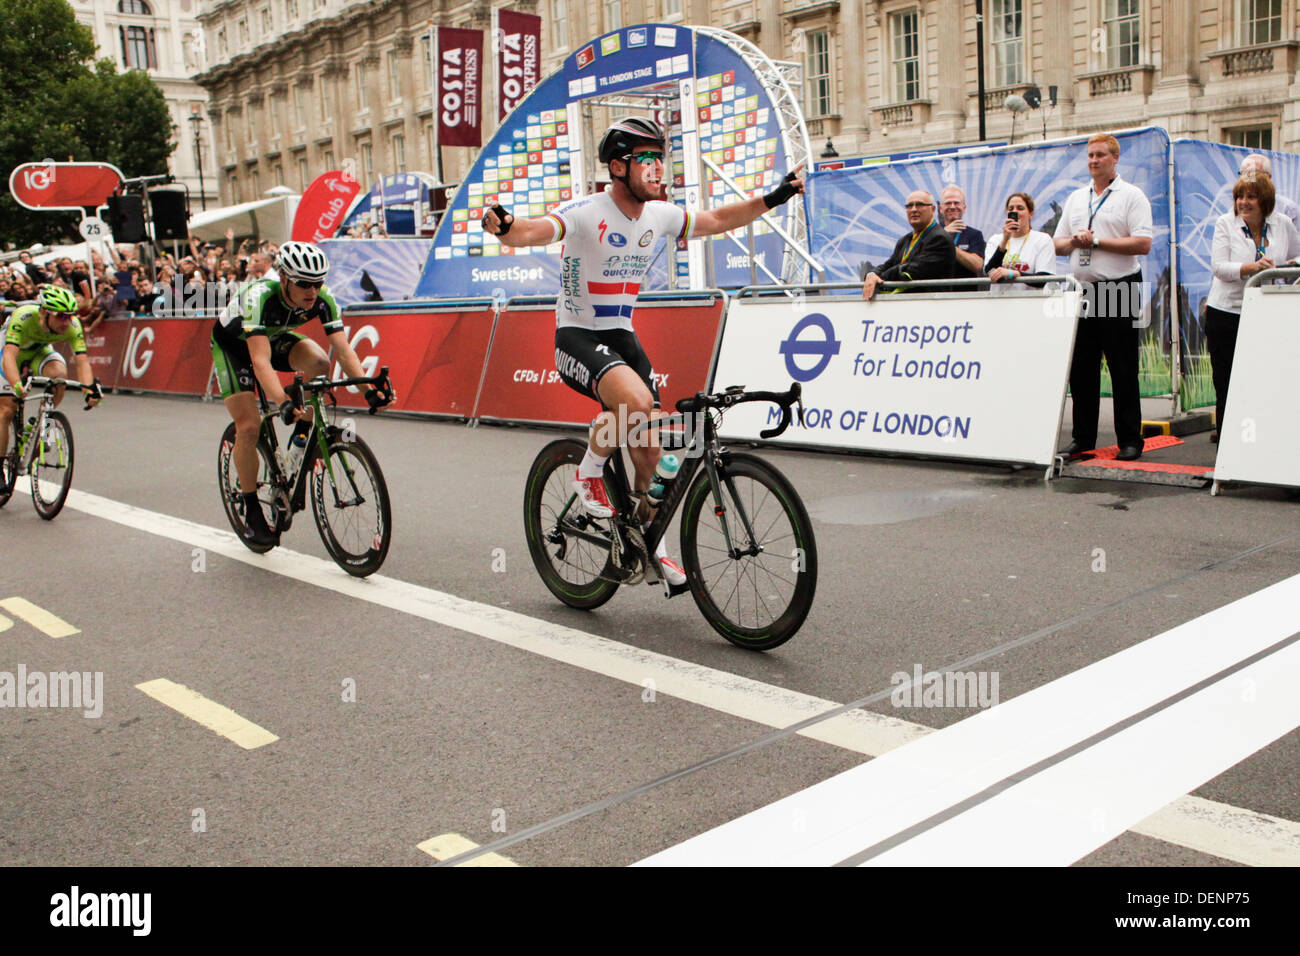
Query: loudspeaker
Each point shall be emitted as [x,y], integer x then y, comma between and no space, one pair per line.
[171,218]
[126,218]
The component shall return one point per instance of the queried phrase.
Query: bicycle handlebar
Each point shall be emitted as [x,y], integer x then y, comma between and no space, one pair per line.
[41,381]
[383,388]
[736,395]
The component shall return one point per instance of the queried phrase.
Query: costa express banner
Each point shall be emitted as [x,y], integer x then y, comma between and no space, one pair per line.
[458,78]
[434,355]
[323,206]
[518,46]
[522,383]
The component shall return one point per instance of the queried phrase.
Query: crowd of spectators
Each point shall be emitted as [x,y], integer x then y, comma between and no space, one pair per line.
[134,281]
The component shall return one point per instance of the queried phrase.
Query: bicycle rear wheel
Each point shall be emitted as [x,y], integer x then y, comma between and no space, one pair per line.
[228,484]
[9,464]
[52,465]
[755,600]
[564,541]
[350,501]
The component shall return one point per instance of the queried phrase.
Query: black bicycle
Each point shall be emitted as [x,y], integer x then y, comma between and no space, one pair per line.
[40,445]
[348,495]
[747,543]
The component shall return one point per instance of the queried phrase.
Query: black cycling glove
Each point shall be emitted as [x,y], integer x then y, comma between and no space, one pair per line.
[502,213]
[782,193]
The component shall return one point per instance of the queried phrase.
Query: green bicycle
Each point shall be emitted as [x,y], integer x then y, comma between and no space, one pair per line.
[42,447]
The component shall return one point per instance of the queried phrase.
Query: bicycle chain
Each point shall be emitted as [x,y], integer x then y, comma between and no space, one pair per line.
[637,574]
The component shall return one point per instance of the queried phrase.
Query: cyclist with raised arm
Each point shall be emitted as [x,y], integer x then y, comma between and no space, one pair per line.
[29,338]
[608,240]
[256,336]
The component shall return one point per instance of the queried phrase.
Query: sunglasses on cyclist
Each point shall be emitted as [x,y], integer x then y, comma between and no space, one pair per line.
[306,285]
[648,157]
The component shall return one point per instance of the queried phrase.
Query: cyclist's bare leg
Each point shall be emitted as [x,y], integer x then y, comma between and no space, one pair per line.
[248,423]
[309,358]
[55,369]
[8,408]
[629,402]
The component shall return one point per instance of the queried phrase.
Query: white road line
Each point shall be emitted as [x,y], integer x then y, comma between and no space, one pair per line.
[38,617]
[1199,824]
[216,717]
[1069,809]
[909,787]
[447,845]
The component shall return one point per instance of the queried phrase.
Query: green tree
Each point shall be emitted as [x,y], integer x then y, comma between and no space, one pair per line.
[60,104]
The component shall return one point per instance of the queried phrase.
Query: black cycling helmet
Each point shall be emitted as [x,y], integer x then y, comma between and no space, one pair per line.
[621,138]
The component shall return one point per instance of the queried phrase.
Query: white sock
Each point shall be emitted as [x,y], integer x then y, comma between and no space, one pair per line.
[593,466]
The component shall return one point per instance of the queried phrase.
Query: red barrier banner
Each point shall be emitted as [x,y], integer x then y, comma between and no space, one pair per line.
[105,347]
[64,185]
[323,206]
[458,81]
[434,356]
[166,355]
[522,384]
[518,44]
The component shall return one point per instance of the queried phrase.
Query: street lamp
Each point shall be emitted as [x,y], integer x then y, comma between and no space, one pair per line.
[196,119]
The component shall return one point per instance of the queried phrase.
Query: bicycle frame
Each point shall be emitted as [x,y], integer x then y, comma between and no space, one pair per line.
[26,447]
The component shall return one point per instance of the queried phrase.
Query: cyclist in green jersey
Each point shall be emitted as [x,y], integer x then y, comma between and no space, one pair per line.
[29,350]
[255,338]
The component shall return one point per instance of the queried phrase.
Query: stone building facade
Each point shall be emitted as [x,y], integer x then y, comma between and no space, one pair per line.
[164,38]
[299,86]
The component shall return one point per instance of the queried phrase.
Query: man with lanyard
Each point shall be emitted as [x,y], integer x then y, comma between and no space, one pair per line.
[1105,228]
[29,350]
[609,240]
[926,252]
[968,240]
[254,338]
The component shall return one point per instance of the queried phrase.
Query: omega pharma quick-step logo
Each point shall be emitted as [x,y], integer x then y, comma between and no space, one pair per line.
[820,342]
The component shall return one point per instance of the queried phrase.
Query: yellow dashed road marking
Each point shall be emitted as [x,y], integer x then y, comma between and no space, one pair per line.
[210,714]
[447,845]
[38,617]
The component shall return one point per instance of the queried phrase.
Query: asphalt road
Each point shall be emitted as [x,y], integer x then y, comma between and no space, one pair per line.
[402,715]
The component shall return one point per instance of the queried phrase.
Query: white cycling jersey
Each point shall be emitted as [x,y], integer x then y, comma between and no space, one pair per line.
[606,255]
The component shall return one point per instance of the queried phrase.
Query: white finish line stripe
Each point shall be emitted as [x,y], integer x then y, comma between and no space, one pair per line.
[1228,832]
[863,807]
[216,717]
[1068,810]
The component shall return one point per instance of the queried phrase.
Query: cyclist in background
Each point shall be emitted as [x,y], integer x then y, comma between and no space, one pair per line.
[29,338]
[255,337]
[608,240]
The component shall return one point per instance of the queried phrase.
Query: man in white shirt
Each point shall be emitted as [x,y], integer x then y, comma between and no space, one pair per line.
[1105,229]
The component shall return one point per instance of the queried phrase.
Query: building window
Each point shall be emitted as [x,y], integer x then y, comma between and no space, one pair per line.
[426,44]
[243,32]
[222,47]
[672,8]
[229,124]
[367,161]
[268,25]
[1122,22]
[613,15]
[905,55]
[1258,21]
[1008,42]
[290,11]
[235,195]
[360,73]
[394,77]
[302,174]
[559,28]
[257,182]
[818,71]
[134,6]
[298,122]
[138,50]
[399,153]
[1253,137]
[329,159]
[323,85]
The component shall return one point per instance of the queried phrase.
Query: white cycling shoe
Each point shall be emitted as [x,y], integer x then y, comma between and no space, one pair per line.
[672,572]
[591,492]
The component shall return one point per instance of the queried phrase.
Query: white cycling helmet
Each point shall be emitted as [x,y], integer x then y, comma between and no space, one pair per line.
[304,261]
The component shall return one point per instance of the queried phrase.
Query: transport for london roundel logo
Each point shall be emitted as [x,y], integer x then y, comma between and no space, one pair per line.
[821,343]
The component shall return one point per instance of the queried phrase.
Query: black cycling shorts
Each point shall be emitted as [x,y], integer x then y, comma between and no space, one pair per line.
[583,356]
[235,366]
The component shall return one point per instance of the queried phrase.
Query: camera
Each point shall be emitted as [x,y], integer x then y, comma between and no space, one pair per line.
[1014,215]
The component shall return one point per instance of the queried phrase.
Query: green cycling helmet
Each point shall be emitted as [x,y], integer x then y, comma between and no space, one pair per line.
[55,299]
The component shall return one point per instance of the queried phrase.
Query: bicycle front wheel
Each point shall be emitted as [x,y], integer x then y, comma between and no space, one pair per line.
[228,483]
[350,501]
[757,592]
[52,465]
[570,549]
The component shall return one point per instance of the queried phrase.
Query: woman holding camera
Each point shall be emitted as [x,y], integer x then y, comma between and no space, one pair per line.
[1022,250]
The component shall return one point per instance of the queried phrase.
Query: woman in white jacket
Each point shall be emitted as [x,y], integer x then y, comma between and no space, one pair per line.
[1022,250]
[1251,238]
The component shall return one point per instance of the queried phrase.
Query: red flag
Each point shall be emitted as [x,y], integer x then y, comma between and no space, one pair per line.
[458,80]
[323,206]
[519,60]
